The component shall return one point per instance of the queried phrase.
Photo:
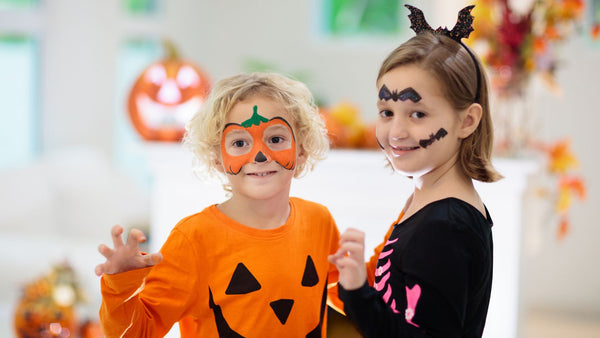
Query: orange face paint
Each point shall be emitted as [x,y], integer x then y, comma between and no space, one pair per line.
[258,139]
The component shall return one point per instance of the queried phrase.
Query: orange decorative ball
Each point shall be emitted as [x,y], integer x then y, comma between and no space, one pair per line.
[165,96]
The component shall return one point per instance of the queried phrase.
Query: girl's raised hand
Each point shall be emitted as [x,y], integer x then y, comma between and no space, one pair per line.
[125,256]
[350,259]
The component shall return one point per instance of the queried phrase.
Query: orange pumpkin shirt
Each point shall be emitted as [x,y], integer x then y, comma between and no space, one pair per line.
[221,278]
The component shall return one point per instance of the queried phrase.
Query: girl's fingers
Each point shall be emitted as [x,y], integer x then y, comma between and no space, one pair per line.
[352,235]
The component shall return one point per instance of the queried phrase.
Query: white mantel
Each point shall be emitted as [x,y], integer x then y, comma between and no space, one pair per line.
[362,193]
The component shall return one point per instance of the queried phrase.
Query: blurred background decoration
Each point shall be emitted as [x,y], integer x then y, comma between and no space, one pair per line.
[166,95]
[47,307]
[516,44]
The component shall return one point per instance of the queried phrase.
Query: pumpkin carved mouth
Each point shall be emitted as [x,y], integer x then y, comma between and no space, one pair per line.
[156,115]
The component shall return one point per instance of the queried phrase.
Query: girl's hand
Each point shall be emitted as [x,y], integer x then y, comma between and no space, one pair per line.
[350,259]
[125,257]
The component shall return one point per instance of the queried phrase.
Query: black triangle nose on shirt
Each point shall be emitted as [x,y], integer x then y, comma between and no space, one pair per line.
[282,309]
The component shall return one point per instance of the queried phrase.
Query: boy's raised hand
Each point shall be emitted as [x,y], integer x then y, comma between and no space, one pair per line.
[350,259]
[125,256]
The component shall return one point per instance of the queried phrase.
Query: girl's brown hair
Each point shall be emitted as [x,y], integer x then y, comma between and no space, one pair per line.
[450,63]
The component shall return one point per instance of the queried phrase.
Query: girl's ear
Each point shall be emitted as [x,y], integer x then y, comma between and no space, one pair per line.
[469,120]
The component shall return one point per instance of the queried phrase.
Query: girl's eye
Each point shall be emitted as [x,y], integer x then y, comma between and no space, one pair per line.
[386,113]
[417,115]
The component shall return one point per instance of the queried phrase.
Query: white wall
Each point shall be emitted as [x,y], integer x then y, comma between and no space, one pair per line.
[78,97]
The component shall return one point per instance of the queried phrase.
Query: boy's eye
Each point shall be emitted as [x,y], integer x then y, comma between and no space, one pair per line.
[276,139]
[239,143]
[417,115]
[386,113]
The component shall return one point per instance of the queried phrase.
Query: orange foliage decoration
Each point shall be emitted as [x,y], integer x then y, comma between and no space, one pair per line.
[516,45]
[562,164]
[346,129]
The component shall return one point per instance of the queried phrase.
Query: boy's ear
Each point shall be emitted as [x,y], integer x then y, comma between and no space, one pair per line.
[469,120]
[218,163]
[302,156]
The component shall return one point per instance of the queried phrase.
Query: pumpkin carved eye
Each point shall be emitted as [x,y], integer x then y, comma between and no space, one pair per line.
[187,77]
[310,276]
[242,282]
[156,74]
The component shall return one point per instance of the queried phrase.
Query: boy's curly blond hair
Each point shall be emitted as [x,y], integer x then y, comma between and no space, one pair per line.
[204,130]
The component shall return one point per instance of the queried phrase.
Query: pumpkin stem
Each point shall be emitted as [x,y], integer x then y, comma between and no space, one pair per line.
[255,119]
[170,49]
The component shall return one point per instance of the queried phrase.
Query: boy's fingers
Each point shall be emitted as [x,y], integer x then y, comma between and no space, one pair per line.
[116,233]
[155,258]
[105,251]
[135,237]
[99,270]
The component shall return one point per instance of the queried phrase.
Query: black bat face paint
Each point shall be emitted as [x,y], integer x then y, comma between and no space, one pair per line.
[433,137]
[406,94]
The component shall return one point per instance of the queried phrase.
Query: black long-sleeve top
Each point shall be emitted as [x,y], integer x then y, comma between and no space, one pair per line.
[433,276]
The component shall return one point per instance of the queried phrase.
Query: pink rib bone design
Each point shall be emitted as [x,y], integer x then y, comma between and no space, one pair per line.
[384,271]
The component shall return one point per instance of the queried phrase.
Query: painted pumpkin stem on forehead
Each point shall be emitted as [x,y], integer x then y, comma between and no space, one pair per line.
[405,94]
[433,137]
[255,119]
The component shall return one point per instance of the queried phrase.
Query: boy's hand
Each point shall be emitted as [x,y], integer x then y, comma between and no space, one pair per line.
[350,259]
[125,256]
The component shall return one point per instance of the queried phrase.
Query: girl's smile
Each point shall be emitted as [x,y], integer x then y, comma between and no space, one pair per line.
[417,132]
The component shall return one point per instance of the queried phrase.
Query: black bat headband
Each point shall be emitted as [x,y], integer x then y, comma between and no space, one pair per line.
[462,29]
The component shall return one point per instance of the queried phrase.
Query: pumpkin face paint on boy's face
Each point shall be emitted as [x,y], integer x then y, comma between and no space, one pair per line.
[257,140]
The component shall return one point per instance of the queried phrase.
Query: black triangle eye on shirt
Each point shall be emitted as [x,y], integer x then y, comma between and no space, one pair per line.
[243,281]
[310,276]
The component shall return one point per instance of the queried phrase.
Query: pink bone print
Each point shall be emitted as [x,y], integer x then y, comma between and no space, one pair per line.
[412,297]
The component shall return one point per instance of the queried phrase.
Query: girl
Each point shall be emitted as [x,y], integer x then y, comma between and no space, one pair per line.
[252,266]
[433,275]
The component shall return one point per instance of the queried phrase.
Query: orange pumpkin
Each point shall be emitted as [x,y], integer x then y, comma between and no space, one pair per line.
[165,96]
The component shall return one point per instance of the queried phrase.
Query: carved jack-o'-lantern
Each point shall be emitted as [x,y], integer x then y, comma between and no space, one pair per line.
[165,96]
[245,281]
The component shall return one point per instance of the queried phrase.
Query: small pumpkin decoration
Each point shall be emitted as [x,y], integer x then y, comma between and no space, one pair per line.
[47,305]
[165,96]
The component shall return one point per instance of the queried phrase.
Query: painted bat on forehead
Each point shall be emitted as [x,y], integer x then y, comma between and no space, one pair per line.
[405,94]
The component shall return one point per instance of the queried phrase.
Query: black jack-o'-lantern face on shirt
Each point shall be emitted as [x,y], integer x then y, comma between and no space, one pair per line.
[278,312]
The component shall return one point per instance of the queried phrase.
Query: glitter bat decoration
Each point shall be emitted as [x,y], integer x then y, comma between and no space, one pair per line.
[462,28]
